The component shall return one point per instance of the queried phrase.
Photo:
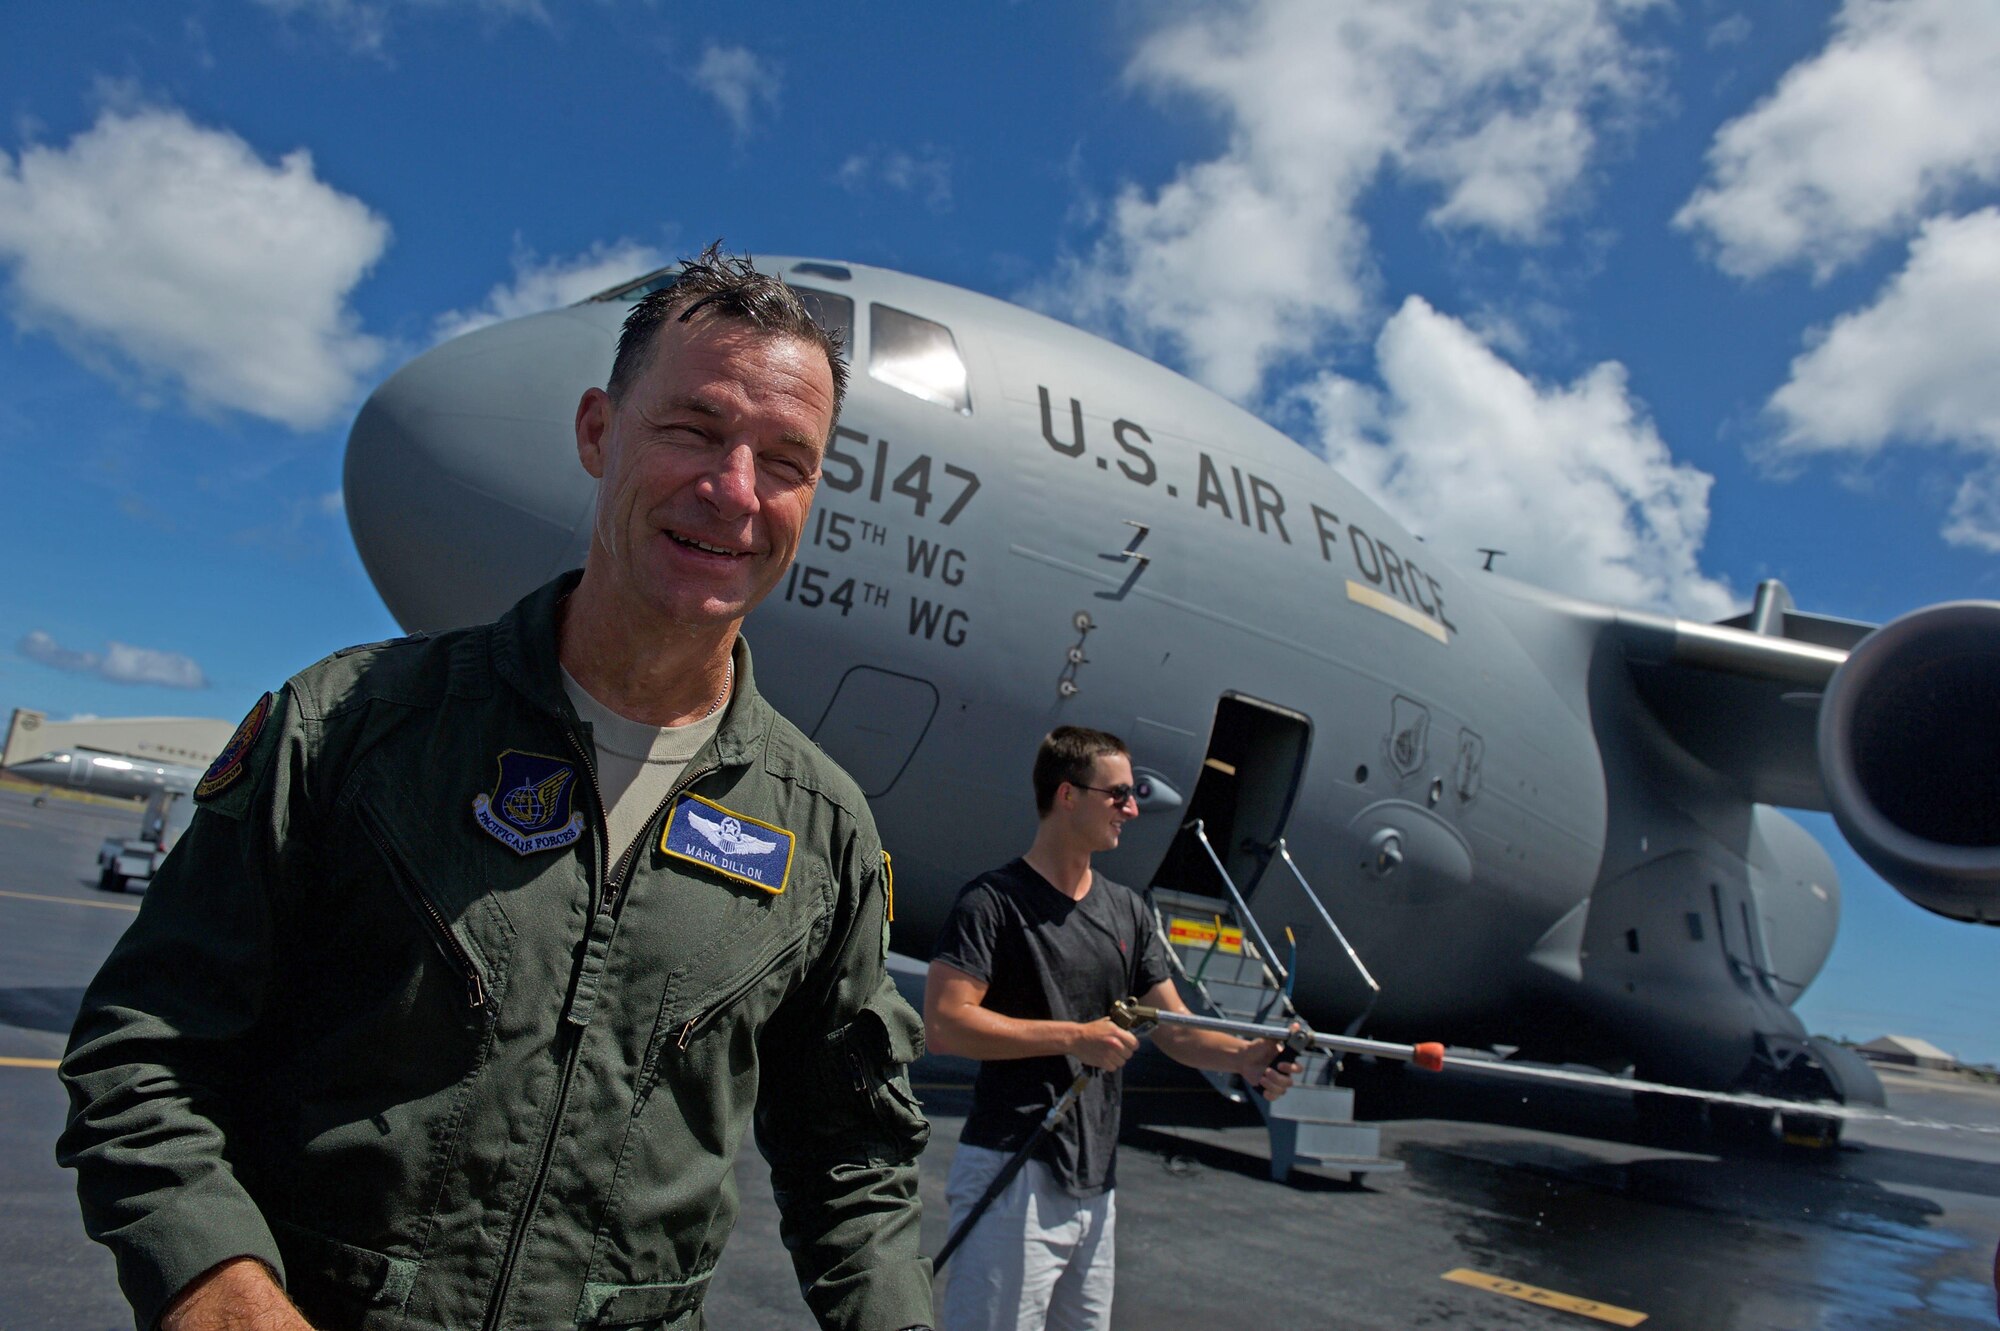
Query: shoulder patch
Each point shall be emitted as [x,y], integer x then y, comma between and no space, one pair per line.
[705,833]
[532,807]
[228,767]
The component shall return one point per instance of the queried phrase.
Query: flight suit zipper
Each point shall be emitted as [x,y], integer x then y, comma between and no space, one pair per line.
[567,1031]
[442,938]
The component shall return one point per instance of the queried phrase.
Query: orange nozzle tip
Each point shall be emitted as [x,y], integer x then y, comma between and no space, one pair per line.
[1429,1056]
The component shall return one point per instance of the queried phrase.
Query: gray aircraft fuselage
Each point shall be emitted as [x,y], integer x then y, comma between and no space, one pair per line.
[113,774]
[1540,822]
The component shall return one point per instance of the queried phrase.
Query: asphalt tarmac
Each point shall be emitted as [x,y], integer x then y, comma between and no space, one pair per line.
[1546,1194]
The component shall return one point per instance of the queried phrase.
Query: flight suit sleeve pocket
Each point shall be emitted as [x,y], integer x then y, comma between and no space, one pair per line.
[876,1049]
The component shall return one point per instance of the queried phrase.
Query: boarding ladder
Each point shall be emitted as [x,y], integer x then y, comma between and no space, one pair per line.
[1225,966]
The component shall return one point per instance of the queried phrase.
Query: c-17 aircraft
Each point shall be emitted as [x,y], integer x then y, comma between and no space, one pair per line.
[1539,822]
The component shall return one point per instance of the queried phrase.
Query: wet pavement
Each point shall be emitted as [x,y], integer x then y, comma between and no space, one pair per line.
[1543,1187]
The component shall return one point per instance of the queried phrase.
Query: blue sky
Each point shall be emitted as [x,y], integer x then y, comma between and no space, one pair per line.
[1663,298]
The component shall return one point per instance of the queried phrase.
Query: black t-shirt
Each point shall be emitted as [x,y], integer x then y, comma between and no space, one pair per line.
[1045,957]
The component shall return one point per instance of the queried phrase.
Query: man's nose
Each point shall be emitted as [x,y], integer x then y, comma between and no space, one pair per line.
[732,486]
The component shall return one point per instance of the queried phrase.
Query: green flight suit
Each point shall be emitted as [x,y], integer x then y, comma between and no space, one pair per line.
[397,1029]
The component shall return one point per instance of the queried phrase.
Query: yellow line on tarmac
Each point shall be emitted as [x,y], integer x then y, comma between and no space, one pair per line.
[69,901]
[1548,1298]
[30,1063]
[9,822]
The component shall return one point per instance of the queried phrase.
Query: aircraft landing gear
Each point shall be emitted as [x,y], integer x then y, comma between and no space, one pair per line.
[1670,1120]
[1810,1132]
[1741,1125]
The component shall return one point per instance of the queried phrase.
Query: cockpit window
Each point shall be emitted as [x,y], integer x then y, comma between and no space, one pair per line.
[918,356]
[831,312]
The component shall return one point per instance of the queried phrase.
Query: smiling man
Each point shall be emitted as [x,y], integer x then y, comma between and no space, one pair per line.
[484,948]
[1029,962]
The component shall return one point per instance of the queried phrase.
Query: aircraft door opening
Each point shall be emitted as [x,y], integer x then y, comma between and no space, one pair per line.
[1249,781]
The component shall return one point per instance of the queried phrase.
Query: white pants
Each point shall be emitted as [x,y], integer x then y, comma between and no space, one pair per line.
[1038,1258]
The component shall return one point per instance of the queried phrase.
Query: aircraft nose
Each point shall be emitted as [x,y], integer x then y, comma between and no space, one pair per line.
[462,484]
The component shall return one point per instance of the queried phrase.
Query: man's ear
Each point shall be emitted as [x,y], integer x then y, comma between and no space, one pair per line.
[593,422]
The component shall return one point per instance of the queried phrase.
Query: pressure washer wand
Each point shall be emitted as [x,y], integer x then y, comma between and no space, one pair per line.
[1136,1016]
[1009,1170]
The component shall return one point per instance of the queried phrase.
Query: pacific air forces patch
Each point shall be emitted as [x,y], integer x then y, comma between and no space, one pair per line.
[227,769]
[734,845]
[533,804]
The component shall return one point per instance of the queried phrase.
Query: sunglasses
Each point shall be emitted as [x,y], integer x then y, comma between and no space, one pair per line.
[1119,793]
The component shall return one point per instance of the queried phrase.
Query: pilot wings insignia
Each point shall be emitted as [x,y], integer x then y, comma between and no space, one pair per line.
[727,835]
[720,839]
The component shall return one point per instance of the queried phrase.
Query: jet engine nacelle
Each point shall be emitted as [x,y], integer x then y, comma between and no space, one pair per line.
[1909,749]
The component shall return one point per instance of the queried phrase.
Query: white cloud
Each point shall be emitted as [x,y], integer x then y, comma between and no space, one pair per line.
[1919,366]
[925,174]
[119,663]
[125,664]
[1897,114]
[1975,511]
[1732,31]
[1248,258]
[547,284]
[1573,482]
[741,84]
[364,24]
[187,257]
[39,647]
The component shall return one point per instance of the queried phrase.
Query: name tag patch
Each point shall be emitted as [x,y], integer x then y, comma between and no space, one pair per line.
[533,804]
[734,845]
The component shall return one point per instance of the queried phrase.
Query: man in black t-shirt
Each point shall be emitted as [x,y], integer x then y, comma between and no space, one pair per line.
[1030,960]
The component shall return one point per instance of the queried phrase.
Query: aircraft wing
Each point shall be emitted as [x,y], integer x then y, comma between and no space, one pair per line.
[1742,697]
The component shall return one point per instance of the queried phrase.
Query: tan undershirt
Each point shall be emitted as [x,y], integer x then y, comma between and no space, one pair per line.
[637,764]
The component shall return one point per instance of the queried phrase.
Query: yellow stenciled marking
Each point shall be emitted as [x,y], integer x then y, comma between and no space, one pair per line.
[30,1063]
[1548,1298]
[69,901]
[1396,610]
[1194,933]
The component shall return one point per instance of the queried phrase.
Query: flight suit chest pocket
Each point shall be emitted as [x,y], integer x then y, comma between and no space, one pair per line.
[461,956]
[403,924]
[700,932]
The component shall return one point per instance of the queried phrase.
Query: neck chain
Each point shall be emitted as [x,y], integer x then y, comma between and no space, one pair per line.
[728,679]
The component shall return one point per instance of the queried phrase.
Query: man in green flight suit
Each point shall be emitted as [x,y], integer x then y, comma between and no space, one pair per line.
[452,1005]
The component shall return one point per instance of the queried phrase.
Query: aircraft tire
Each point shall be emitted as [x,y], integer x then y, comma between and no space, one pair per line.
[110,880]
[1810,1132]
